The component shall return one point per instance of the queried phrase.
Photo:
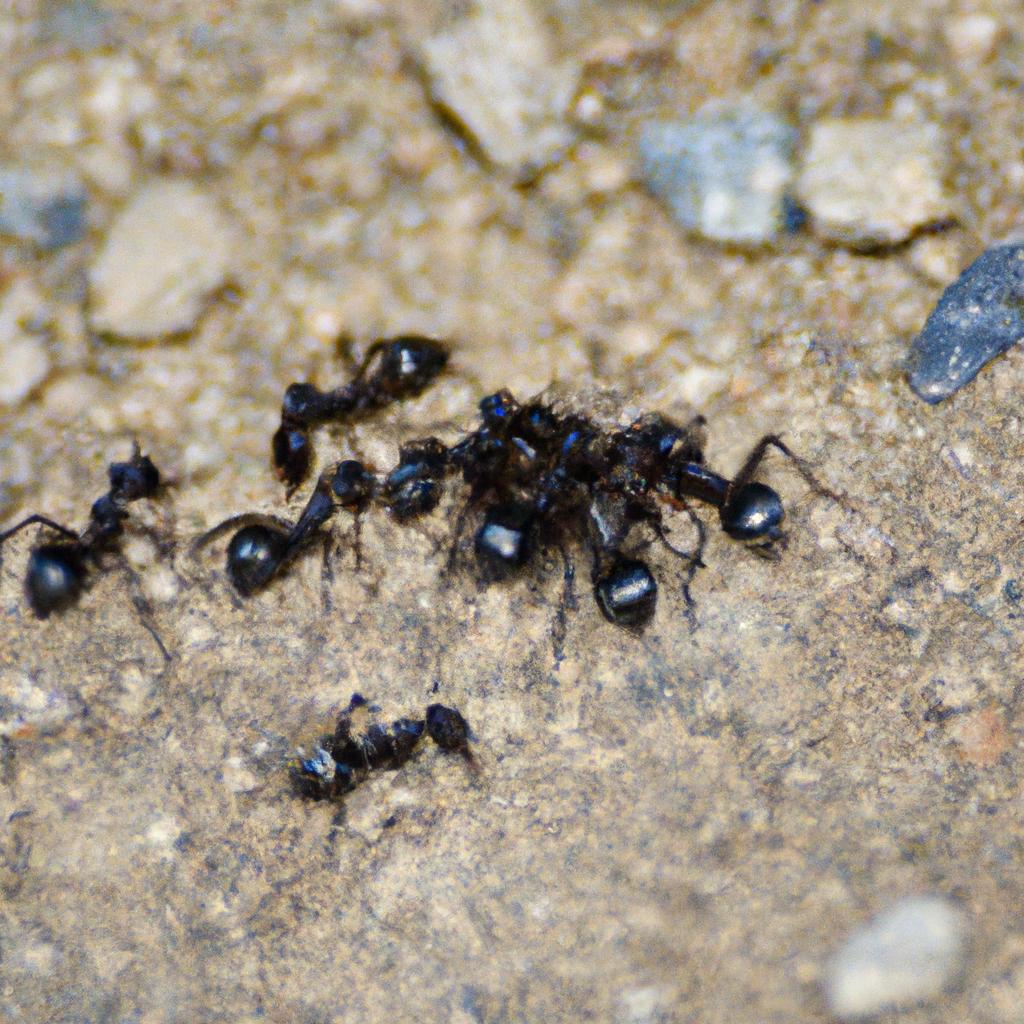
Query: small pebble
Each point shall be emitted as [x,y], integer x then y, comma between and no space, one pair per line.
[77,24]
[24,365]
[906,955]
[24,355]
[29,708]
[870,181]
[494,68]
[979,316]
[166,252]
[723,173]
[972,38]
[41,207]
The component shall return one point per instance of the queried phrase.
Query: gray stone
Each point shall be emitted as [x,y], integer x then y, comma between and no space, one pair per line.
[906,955]
[722,173]
[77,24]
[980,315]
[40,207]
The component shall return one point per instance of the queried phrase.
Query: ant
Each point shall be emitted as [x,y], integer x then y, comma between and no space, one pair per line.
[392,369]
[58,571]
[543,478]
[342,760]
[265,544]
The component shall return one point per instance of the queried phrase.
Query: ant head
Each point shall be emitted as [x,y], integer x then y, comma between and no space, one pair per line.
[627,594]
[754,515]
[448,729]
[352,483]
[56,574]
[254,556]
[135,479]
[409,363]
[497,409]
[503,542]
[413,487]
[291,453]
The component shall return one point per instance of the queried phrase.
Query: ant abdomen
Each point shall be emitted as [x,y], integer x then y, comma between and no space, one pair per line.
[753,515]
[627,594]
[55,577]
[503,544]
[255,554]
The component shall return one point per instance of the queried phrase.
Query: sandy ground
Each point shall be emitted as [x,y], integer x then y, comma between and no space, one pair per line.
[677,827]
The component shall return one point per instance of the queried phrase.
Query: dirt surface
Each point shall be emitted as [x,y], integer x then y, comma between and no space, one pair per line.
[676,827]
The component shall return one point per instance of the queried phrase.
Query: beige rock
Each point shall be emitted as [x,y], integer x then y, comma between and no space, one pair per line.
[494,68]
[873,181]
[24,357]
[165,253]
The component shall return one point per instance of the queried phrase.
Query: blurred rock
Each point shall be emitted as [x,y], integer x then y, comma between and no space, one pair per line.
[980,315]
[495,71]
[29,709]
[24,355]
[41,207]
[77,24]
[722,173]
[906,955]
[873,181]
[165,253]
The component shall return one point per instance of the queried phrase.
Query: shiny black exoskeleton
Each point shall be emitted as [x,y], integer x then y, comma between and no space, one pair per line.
[393,369]
[543,479]
[264,544]
[58,571]
[342,760]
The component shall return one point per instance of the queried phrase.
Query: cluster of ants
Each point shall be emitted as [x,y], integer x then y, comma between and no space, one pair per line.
[537,478]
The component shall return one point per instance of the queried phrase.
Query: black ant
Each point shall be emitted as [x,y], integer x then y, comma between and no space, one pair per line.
[544,478]
[342,760]
[58,571]
[265,544]
[392,369]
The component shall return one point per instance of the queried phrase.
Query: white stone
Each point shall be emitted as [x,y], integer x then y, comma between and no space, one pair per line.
[24,356]
[495,69]
[906,955]
[29,708]
[169,248]
[24,364]
[874,181]
[971,38]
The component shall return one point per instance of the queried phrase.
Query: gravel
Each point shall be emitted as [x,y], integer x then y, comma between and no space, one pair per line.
[870,181]
[494,70]
[39,207]
[980,315]
[905,955]
[722,174]
[165,253]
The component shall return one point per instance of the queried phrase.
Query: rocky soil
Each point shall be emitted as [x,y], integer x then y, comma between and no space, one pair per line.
[803,807]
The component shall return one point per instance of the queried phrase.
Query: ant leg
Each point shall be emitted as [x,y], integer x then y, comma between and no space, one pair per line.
[694,560]
[371,353]
[357,538]
[756,457]
[244,519]
[566,604]
[327,575]
[453,552]
[143,608]
[43,521]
